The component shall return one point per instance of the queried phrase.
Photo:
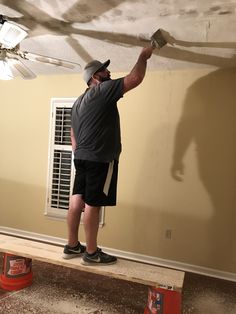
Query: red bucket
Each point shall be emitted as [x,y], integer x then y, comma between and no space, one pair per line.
[16,272]
[163,301]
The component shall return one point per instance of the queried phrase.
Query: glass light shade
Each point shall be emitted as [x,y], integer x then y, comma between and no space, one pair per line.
[5,71]
[11,34]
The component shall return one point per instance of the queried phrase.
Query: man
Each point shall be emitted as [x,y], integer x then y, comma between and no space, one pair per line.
[95,137]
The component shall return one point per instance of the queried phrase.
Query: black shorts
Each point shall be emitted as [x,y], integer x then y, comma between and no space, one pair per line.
[96,182]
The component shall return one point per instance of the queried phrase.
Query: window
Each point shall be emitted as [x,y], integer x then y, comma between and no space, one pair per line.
[60,163]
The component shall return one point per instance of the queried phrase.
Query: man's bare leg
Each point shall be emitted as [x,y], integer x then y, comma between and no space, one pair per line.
[93,254]
[73,218]
[91,225]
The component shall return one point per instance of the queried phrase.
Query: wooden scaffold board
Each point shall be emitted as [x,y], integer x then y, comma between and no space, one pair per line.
[146,274]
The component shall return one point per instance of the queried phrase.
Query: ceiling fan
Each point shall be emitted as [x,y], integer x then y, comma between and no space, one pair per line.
[10,54]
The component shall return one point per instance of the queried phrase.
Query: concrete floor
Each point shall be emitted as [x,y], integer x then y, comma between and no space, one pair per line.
[59,290]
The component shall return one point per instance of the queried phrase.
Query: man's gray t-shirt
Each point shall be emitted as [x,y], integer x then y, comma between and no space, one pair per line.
[96,123]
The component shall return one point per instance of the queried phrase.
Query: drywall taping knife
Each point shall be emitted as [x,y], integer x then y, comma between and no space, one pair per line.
[158,40]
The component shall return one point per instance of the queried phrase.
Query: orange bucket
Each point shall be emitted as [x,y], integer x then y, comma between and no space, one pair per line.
[16,272]
[163,301]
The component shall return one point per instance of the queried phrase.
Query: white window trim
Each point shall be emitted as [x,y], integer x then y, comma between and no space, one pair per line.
[51,212]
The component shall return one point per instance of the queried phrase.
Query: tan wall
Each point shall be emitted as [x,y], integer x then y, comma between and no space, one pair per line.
[174,120]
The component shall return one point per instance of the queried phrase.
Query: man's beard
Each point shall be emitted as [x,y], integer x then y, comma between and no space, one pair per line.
[104,79]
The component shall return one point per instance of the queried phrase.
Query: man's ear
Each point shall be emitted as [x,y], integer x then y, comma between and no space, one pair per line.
[96,77]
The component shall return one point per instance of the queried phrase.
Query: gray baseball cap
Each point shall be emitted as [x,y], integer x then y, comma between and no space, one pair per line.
[93,67]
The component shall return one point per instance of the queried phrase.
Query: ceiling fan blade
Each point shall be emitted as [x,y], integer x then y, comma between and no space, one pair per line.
[21,68]
[54,61]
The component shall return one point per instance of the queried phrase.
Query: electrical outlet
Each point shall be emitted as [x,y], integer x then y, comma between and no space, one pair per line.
[168,234]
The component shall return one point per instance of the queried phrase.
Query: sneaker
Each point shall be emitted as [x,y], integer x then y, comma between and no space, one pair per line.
[98,258]
[70,252]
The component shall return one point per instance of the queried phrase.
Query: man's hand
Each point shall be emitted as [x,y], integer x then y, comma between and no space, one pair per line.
[73,140]
[147,52]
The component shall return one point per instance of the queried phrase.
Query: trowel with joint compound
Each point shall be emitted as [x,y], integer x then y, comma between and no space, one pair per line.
[158,40]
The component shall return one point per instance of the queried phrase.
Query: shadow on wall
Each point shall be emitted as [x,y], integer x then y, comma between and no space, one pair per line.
[208,120]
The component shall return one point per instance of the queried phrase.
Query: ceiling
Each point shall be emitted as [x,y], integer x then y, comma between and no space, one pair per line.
[200,33]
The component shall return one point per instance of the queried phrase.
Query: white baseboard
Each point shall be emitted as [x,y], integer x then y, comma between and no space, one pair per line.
[127,255]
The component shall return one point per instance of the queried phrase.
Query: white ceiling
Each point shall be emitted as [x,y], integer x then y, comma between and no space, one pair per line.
[203,31]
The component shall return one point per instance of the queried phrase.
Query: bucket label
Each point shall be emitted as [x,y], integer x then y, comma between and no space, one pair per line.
[155,301]
[17,266]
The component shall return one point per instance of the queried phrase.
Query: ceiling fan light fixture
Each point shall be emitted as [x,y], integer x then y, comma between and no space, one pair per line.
[11,34]
[5,71]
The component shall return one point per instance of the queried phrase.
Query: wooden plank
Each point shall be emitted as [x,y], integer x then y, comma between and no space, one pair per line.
[124,269]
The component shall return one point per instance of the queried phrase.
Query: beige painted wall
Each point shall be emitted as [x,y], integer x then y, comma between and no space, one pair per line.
[173,121]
